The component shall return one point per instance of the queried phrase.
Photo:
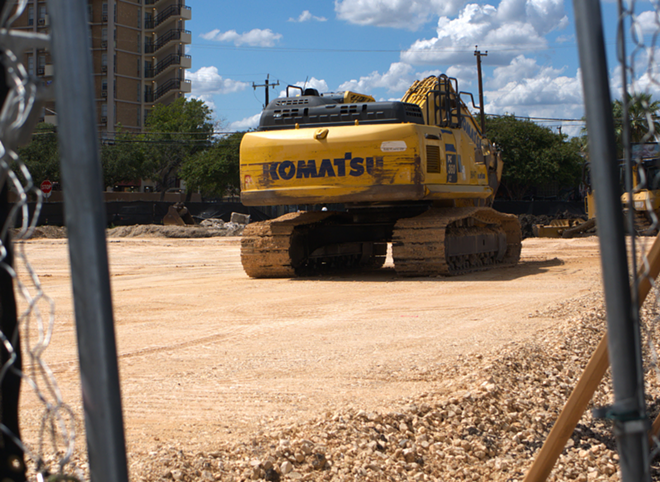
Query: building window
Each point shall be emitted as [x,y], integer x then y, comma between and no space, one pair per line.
[139,113]
[104,12]
[104,110]
[30,14]
[139,19]
[139,90]
[31,65]
[42,12]
[115,12]
[104,34]
[41,62]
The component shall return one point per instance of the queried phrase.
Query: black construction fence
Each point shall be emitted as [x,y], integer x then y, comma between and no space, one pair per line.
[146,212]
[152,212]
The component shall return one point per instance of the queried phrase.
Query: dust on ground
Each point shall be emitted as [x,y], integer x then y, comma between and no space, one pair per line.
[367,377]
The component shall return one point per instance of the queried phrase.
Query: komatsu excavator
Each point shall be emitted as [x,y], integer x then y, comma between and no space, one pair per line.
[417,173]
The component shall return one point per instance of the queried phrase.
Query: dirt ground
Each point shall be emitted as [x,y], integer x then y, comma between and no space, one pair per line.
[207,354]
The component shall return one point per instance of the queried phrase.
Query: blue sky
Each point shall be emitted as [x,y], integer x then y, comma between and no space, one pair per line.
[379,47]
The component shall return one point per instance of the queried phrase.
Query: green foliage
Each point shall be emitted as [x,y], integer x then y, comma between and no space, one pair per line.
[125,159]
[642,113]
[215,171]
[40,155]
[175,134]
[533,156]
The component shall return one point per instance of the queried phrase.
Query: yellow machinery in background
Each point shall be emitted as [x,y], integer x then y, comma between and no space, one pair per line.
[569,228]
[646,194]
[416,172]
[646,198]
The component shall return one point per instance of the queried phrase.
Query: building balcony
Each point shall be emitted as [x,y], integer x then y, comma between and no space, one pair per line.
[167,63]
[171,86]
[172,35]
[167,15]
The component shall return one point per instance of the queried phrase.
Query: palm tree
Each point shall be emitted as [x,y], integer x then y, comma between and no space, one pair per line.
[642,118]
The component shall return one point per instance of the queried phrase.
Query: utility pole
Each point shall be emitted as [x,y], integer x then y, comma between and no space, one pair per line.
[266,85]
[478,54]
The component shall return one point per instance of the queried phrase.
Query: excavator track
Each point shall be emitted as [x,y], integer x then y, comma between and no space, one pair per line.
[453,241]
[644,224]
[266,246]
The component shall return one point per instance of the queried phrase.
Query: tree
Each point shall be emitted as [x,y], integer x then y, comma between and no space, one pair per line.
[533,156]
[215,171]
[41,156]
[125,159]
[175,133]
[642,113]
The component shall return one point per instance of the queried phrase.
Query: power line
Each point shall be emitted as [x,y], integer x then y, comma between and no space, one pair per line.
[373,51]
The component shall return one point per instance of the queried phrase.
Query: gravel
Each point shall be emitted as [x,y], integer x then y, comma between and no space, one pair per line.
[484,421]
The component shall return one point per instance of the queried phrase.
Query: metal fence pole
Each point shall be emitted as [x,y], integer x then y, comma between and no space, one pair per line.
[85,219]
[628,411]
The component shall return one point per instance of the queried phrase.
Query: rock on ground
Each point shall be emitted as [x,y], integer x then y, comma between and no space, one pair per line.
[488,424]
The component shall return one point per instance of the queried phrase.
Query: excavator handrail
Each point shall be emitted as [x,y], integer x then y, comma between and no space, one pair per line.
[293,87]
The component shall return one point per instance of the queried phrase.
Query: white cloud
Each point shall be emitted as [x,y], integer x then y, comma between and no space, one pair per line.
[515,26]
[647,22]
[527,89]
[398,78]
[306,16]
[207,81]
[313,83]
[254,38]
[245,124]
[642,75]
[408,14]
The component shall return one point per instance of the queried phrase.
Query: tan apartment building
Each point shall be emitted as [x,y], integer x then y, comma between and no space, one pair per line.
[139,57]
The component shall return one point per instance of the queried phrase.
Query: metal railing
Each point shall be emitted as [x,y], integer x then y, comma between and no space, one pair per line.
[169,36]
[164,15]
[172,59]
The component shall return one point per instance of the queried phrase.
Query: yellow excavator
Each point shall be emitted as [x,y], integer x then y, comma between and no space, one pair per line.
[417,173]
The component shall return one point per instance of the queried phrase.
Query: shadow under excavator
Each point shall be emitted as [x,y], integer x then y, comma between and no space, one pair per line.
[388,274]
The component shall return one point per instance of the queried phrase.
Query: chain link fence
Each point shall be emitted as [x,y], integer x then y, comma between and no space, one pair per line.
[638,34]
[27,320]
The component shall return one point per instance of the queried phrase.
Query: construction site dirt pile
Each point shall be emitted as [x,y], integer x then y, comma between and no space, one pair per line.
[207,229]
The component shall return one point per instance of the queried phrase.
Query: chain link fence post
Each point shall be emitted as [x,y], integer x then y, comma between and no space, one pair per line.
[629,410]
[85,220]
